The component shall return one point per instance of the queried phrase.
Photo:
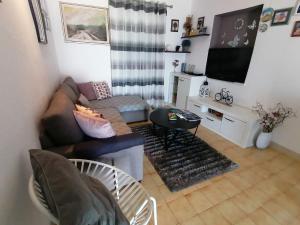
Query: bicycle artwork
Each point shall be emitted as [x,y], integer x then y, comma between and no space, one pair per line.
[224,96]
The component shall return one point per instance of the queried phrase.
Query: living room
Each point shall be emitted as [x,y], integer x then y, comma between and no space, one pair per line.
[258,186]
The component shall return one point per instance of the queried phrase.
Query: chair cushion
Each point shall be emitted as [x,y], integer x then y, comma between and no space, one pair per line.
[59,123]
[72,197]
[71,83]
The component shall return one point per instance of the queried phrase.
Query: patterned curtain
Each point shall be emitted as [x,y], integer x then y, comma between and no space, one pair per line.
[137,45]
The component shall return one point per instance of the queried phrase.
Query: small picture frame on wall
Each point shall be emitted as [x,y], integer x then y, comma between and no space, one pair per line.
[297,11]
[39,20]
[174,25]
[296,29]
[200,23]
[281,17]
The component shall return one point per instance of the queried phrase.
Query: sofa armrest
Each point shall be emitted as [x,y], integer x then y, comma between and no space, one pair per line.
[94,148]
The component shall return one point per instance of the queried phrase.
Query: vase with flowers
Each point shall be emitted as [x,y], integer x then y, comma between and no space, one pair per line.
[269,120]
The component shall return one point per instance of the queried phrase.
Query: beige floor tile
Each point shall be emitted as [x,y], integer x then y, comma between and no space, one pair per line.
[288,203]
[246,221]
[256,195]
[230,211]
[245,203]
[213,194]
[155,192]
[261,217]
[279,213]
[198,201]
[182,209]
[213,217]
[227,187]
[238,181]
[168,195]
[165,216]
[194,221]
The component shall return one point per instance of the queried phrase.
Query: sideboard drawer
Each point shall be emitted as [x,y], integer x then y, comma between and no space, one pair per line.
[233,129]
[211,123]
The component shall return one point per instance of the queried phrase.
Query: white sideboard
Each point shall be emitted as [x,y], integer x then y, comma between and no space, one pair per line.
[236,123]
[182,86]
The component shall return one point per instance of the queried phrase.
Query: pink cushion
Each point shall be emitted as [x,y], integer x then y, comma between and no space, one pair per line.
[102,90]
[87,89]
[95,127]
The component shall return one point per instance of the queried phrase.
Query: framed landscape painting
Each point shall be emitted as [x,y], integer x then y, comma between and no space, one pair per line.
[83,23]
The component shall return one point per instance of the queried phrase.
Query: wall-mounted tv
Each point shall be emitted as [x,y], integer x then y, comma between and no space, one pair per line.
[228,64]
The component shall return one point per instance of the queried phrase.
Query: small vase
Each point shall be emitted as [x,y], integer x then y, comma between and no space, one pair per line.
[264,140]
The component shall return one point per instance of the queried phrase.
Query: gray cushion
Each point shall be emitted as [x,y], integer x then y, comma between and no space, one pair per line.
[59,123]
[82,100]
[74,198]
[69,92]
[129,103]
[71,83]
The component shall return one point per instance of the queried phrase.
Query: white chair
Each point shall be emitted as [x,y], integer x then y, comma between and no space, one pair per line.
[133,199]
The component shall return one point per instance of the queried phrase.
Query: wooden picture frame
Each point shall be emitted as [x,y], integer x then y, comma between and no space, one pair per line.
[39,20]
[296,29]
[174,25]
[281,17]
[83,23]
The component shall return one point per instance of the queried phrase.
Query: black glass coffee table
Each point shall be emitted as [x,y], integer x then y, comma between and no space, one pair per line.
[160,119]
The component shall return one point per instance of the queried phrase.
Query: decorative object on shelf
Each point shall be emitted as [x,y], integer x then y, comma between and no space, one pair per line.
[281,17]
[269,120]
[175,63]
[263,27]
[177,48]
[183,66]
[174,25]
[224,96]
[200,23]
[297,11]
[239,24]
[186,44]
[235,42]
[204,90]
[296,29]
[39,20]
[188,25]
[267,15]
[83,23]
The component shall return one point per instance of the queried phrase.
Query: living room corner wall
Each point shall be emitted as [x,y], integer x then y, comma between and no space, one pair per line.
[274,71]
[29,75]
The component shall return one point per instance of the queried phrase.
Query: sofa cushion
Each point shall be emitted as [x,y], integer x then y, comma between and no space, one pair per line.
[101,104]
[71,83]
[129,103]
[69,92]
[59,123]
[121,128]
[111,114]
[94,148]
[72,197]
[102,90]
[87,89]
[82,100]
[95,127]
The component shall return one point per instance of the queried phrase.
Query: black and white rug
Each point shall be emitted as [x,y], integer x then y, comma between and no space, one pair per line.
[181,165]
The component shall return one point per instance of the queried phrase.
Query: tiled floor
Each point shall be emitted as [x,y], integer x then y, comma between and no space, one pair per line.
[265,190]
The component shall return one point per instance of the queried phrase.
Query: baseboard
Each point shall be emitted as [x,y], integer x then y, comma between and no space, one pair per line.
[285,150]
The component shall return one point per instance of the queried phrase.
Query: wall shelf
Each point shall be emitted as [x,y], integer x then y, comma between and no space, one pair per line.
[183,52]
[194,36]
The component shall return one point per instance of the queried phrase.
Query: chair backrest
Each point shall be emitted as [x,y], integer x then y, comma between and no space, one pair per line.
[132,198]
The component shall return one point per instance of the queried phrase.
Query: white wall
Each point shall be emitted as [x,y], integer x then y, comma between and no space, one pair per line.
[28,76]
[273,75]
[82,61]
[91,62]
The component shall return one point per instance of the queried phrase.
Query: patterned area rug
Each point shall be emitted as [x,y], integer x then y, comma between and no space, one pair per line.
[182,165]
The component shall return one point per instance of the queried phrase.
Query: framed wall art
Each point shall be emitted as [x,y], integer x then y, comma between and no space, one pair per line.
[174,25]
[281,17]
[39,20]
[82,23]
[296,29]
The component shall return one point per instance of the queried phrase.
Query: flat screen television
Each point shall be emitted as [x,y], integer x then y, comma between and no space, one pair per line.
[228,64]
